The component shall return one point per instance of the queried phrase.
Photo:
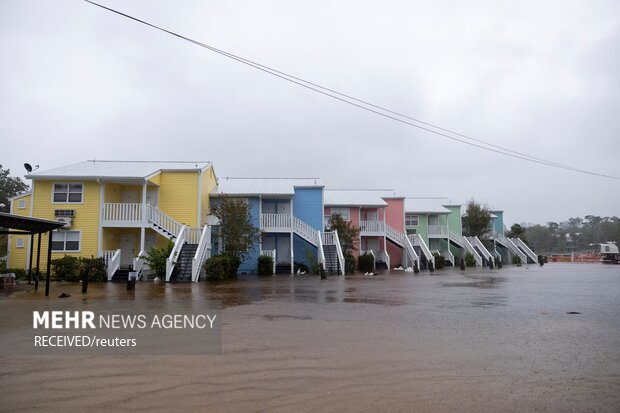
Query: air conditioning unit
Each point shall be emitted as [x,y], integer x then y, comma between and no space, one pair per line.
[66,220]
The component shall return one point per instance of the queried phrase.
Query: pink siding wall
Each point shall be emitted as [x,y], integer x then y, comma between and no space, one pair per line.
[396,214]
[395,253]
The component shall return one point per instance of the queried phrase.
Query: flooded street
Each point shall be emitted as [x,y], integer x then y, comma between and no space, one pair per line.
[478,340]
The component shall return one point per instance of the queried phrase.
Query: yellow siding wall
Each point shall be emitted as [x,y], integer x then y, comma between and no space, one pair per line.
[178,196]
[18,256]
[156,179]
[208,183]
[113,192]
[86,217]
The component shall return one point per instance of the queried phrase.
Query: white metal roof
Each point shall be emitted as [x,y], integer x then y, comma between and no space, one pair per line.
[425,206]
[263,186]
[94,169]
[358,197]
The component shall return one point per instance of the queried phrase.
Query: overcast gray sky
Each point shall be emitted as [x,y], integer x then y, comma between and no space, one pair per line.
[540,77]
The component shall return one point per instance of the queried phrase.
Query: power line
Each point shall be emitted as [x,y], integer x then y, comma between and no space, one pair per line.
[365,105]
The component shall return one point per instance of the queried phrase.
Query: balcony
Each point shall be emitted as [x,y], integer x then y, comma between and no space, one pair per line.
[276,222]
[370,228]
[437,231]
[122,214]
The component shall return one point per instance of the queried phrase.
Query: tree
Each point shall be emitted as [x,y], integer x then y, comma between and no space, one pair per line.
[236,231]
[156,258]
[349,237]
[477,220]
[9,187]
[517,231]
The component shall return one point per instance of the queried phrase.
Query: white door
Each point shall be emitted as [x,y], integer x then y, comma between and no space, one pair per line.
[151,197]
[283,250]
[371,215]
[129,197]
[128,249]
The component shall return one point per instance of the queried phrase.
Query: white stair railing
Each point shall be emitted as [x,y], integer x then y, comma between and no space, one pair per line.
[475,242]
[472,251]
[400,238]
[320,253]
[202,252]
[506,242]
[194,235]
[163,221]
[174,254]
[385,257]
[519,243]
[457,239]
[418,241]
[306,231]
[341,260]
[448,256]
[113,262]
[272,254]
[138,264]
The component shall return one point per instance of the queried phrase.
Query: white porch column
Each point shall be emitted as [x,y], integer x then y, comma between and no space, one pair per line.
[292,255]
[101,207]
[144,220]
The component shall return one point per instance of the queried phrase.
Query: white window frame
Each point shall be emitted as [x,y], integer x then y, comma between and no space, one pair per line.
[79,232]
[409,217]
[21,204]
[19,242]
[339,211]
[68,192]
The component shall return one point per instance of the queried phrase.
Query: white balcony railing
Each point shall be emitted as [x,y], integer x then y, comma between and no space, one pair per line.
[372,226]
[122,212]
[438,230]
[276,221]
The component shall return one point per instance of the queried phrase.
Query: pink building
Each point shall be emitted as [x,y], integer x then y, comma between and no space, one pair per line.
[380,216]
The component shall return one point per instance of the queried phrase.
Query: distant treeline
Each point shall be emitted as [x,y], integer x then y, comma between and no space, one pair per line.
[573,235]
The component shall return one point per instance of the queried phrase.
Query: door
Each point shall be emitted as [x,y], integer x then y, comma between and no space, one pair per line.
[129,197]
[283,250]
[269,208]
[371,215]
[128,249]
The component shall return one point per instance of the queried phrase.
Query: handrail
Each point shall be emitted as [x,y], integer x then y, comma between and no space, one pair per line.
[506,242]
[163,220]
[419,241]
[194,235]
[202,253]
[457,239]
[411,251]
[475,241]
[113,262]
[292,261]
[519,243]
[402,239]
[448,256]
[306,231]
[472,251]
[172,259]
[138,264]
[341,259]
[320,253]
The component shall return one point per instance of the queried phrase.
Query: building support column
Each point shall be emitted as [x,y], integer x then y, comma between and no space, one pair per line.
[144,217]
[49,263]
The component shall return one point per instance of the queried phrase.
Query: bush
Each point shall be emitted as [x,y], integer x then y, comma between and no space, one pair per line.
[265,265]
[349,263]
[20,273]
[440,261]
[67,268]
[93,268]
[221,267]
[156,258]
[366,263]
[470,261]
[516,260]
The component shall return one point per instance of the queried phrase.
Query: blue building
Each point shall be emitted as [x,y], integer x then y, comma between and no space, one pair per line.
[289,212]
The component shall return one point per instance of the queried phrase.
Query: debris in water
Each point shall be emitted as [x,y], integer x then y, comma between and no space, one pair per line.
[573,312]
[64,295]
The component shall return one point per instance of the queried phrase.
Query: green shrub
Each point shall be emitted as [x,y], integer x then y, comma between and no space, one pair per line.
[265,265]
[20,273]
[366,263]
[349,263]
[440,261]
[221,267]
[300,266]
[156,258]
[470,261]
[516,260]
[67,268]
[93,268]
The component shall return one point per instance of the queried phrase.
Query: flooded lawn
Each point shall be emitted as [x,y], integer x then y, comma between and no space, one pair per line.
[475,341]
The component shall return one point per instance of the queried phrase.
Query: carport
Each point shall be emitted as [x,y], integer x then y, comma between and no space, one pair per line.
[17,225]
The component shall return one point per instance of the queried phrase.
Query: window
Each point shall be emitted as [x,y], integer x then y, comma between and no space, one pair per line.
[19,243]
[411,220]
[411,231]
[327,221]
[67,193]
[66,241]
[21,204]
[343,212]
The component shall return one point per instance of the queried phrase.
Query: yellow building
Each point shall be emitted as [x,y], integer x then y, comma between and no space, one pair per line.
[116,209]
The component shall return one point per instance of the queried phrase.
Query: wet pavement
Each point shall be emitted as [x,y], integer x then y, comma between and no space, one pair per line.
[478,340]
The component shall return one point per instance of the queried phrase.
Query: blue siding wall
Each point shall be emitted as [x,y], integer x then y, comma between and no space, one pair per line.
[304,250]
[308,206]
[498,223]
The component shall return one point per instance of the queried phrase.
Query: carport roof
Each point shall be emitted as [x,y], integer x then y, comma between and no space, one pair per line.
[28,224]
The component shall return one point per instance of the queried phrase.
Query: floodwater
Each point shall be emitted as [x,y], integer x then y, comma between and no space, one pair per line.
[471,341]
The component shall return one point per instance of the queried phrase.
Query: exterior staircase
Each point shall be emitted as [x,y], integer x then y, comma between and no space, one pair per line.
[332,264]
[182,271]
[425,253]
[401,239]
[482,251]
[531,255]
[510,246]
